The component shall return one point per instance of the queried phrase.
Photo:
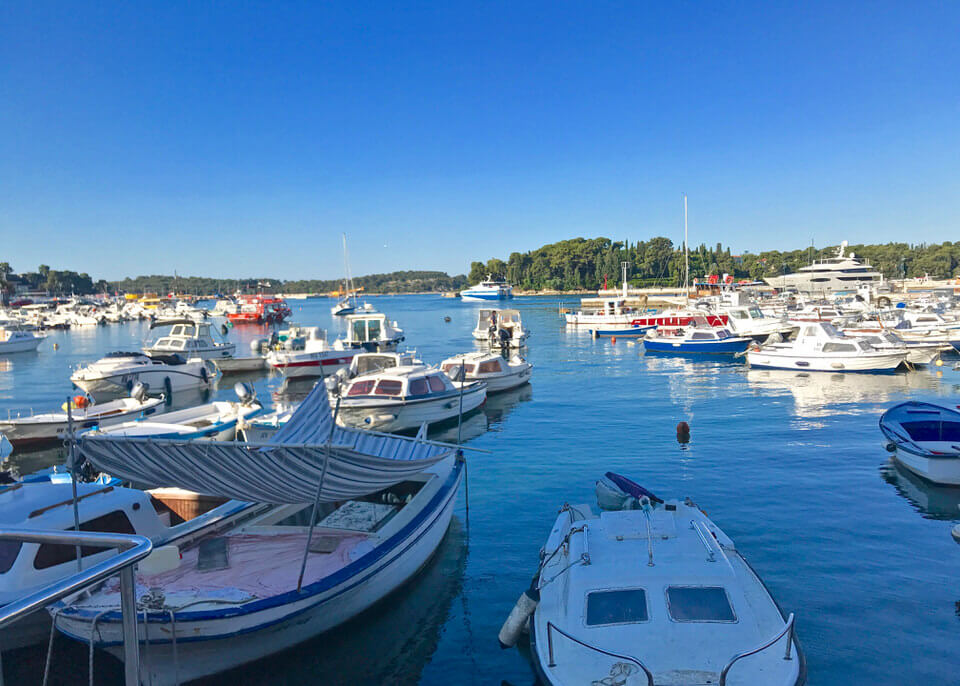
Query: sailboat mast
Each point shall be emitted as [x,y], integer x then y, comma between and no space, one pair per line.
[686,252]
[348,279]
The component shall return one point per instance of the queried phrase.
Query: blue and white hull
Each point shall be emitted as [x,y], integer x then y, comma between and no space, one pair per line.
[722,347]
[212,637]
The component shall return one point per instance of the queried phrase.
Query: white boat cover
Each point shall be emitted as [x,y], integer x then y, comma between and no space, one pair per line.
[284,471]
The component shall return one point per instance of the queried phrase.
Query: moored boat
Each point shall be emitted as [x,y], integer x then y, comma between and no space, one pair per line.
[188,338]
[490,288]
[500,328]
[697,338]
[652,592]
[498,373]
[820,347]
[117,373]
[15,339]
[924,438]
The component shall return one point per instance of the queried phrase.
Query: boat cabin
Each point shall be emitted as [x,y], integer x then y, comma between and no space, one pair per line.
[372,363]
[825,337]
[476,365]
[400,383]
[372,331]
[184,336]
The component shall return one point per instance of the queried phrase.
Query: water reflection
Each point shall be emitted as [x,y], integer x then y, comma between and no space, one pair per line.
[817,394]
[499,405]
[931,500]
[474,424]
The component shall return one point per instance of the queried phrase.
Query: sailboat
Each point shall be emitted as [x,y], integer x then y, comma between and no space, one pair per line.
[345,305]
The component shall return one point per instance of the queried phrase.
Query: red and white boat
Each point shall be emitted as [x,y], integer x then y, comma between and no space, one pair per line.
[259,309]
[677,318]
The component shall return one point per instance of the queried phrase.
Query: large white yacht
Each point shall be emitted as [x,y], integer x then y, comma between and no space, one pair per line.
[839,273]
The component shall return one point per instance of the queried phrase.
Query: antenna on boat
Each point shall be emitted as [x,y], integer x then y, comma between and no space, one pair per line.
[686,252]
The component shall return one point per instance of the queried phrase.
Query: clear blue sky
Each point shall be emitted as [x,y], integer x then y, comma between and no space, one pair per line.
[234,139]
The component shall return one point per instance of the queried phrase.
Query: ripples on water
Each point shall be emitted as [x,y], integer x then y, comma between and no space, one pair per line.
[790,465]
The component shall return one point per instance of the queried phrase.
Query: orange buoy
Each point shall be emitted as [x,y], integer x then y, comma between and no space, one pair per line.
[613,339]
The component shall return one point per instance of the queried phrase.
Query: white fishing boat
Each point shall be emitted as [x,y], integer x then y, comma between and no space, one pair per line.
[381,506]
[498,373]
[372,331]
[500,328]
[820,347]
[14,339]
[216,421]
[310,354]
[25,428]
[404,398]
[188,338]
[925,438]
[117,373]
[918,353]
[652,592]
[166,516]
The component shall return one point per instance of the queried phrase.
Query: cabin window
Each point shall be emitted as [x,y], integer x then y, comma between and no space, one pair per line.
[51,555]
[419,387]
[361,388]
[489,367]
[699,604]
[926,319]
[365,365]
[839,348]
[360,331]
[933,430]
[617,607]
[702,336]
[738,314]
[8,554]
[389,387]
[810,331]
[436,384]
[177,330]
[373,330]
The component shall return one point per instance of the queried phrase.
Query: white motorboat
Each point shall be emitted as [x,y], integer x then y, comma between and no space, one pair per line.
[498,373]
[652,592]
[491,288]
[188,338]
[166,516]
[500,328]
[371,363]
[310,354]
[918,353]
[117,373]
[924,438]
[820,347]
[404,398]
[17,340]
[382,508]
[216,421]
[26,429]
[373,332]
[612,312]
[749,320]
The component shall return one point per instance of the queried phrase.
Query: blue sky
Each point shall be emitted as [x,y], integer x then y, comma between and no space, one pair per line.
[233,139]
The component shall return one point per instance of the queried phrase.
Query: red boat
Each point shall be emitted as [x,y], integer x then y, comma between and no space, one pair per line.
[259,309]
[675,318]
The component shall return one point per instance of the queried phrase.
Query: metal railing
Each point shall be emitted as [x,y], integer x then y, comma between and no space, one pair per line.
[551,627]
[131,549]
[787,629]
[698,527]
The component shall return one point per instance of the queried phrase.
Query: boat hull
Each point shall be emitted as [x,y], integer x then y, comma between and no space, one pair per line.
[20,346]
[506,382]
[872,363]
[32,433]
[730,347]
[622,332]
[940,470]
[403,416]
[122,382]
[219,641]
[312,364]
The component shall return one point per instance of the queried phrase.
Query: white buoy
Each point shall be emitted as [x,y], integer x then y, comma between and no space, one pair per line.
[519,615]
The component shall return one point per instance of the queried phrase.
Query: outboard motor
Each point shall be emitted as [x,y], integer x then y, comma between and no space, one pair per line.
[258,346]
[139,391]
[504,338]
[245,393]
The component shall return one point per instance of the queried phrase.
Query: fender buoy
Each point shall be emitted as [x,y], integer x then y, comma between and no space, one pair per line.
[204,375]
[168,390]
[683,432]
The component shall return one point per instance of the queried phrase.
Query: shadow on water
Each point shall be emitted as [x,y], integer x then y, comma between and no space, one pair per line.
[931,500]
[389,644]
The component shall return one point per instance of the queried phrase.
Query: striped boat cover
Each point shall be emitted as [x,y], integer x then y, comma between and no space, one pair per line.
[285,471]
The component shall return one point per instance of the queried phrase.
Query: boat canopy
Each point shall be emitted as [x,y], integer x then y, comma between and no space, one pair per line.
[287,470]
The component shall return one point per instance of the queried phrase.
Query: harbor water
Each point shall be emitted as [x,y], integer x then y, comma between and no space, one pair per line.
[791,465]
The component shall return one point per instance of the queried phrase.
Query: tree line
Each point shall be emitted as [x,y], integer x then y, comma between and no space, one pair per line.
[582,263]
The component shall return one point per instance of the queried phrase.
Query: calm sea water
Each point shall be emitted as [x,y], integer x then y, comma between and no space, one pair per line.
[791,466]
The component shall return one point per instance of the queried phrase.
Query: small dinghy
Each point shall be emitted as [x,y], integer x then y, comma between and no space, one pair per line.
[924,438]
[215,421]
[651,594]
[498,373]
[33,429]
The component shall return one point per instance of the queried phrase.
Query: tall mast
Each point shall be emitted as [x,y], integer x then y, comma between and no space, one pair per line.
[348,280]
[686,252]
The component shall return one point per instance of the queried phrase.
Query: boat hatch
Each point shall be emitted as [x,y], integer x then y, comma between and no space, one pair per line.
[934,430]
[699,604]
[626,606]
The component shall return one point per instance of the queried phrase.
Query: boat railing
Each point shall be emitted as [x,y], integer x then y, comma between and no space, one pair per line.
[786,630]
[130,550]
[19,412]
[704,538]
[551,627]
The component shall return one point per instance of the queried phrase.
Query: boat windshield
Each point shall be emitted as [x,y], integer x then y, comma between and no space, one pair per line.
[755,313]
